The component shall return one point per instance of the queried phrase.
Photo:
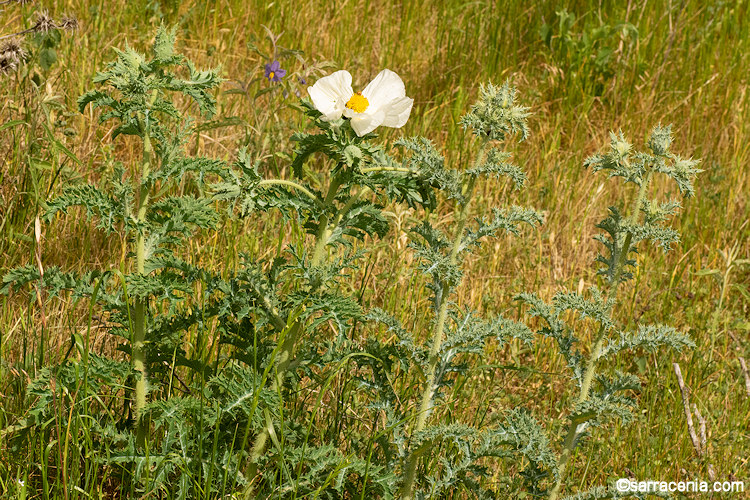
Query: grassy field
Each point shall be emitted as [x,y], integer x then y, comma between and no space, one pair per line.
[583,68]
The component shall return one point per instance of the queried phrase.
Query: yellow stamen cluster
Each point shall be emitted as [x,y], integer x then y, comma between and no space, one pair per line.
[358,103]
[271,75]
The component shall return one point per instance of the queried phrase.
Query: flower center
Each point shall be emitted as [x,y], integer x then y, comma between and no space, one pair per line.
[358,103]
[271,75]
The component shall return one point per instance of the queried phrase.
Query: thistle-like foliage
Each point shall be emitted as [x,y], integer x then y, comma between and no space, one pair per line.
[556,329]
[362,179]
[300,321]
[285,390]
[496,163]
[632,166]
[137,203]
[518,436]
[430,169]
[460,333]
[622,234]
[138,98]
[496,114]
[602,398]
[648,337]
[138,94]
[360,170]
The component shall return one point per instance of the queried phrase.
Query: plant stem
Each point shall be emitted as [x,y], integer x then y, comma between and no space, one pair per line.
[282,365]
[425,408]
[386,169]
[324,232]
[293,185]
[139,333]
[349,204]
[287,349]
[596,351]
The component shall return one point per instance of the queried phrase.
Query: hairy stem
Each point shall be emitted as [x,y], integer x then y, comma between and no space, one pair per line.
[386,169]
[324,231]
[431,382]
[139,333]
[596,351]
[290,339]
[293,185]
[282,365]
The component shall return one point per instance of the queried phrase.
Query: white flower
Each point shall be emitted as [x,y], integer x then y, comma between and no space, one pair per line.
[382,102]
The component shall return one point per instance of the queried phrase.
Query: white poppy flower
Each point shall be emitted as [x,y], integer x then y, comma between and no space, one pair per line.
[382,102]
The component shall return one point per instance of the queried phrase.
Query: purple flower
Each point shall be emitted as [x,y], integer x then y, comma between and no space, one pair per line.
[274,73]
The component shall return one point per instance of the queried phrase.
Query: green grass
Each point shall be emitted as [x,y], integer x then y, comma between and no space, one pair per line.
[688,67]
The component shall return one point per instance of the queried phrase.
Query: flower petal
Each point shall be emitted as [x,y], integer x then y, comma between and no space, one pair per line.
[364,123]
[384,88]
[397,112]
[331,93]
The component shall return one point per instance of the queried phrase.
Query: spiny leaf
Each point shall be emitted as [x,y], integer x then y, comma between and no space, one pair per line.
[555,329]
[618,161]
[496,114]
[649,337]
[597,410]
[507,219]
[111,213]
[429,166]
[496,163]
[595,307]
[616,228]
[163,48]
[683,172]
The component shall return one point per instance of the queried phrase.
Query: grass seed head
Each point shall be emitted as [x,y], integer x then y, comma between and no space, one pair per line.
[44,23]
[69,23]
[12,56]
[12,49]
[6,65]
